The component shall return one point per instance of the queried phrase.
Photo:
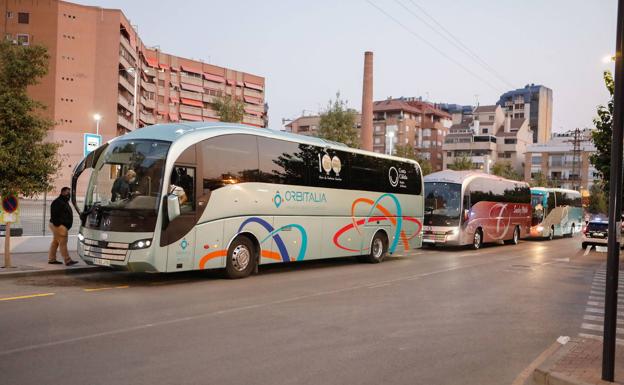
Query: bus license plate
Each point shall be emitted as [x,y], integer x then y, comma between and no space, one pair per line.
[101,262]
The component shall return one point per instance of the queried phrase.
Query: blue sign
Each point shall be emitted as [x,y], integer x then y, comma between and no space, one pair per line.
[91,142]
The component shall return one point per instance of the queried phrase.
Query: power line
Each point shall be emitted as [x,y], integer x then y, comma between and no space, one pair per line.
[434,47]
[454,40]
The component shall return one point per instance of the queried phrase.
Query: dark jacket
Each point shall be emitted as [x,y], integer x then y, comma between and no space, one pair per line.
[61,213]
[121,189]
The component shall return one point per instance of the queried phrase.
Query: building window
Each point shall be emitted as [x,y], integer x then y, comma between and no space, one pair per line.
[427,132]
[9,15]
[23,17]
[377,140]
[491,117]
[23,39]
[161,83]
[485,130]
[510,141]
[536,159]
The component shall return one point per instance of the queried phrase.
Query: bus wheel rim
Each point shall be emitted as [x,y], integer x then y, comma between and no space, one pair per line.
[377,248]
[241,257]
[515,238]
[477,240]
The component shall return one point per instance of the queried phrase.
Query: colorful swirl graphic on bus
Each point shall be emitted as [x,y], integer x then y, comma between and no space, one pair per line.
[398,221]
[273,233]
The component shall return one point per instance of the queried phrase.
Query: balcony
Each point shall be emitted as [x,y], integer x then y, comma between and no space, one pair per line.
[192,80]
[148,103]
[151,87]
[125,123]
[126,84]
[191,95]
[125,63]
[125,103]
[209,98]
[190,110]
[126,44]
[252,93]
[249,119]
[147,118]
[210,113]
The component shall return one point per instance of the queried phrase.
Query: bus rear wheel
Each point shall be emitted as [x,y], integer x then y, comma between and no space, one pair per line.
[241,258]
[516,237]
[477,240]
[378,249]
[551,235]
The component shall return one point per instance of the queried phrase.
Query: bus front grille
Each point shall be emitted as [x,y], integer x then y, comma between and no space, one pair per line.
[105,250]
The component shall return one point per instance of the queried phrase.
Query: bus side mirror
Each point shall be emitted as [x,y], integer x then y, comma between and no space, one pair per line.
[466,215]
[173,207]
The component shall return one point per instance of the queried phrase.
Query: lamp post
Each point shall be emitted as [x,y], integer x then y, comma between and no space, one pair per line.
[391,136]
[97,118]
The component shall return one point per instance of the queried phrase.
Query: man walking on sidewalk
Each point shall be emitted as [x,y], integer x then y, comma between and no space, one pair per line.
[61,219]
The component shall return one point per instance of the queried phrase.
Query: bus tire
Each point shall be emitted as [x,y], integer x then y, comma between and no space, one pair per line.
[378,248]
[477,239]
[241,258]
[515,239]
[571,233]
[551,235]
[584,245]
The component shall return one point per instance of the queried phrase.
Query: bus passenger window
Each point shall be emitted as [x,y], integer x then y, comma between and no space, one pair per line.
[182,184]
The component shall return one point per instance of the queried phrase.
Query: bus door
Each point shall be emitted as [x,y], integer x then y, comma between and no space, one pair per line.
[179,234]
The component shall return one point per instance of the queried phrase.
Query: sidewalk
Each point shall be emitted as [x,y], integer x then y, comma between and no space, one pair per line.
[27,264]
[579,362]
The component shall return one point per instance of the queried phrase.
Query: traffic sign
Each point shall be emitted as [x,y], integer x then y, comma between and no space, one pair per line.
[10,204]
[91,142]
[9,212]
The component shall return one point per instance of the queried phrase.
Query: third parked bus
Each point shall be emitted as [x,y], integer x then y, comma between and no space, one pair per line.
[472,208]
[555,212]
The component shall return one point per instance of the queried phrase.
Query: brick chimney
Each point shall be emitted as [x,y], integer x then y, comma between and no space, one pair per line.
[367,103]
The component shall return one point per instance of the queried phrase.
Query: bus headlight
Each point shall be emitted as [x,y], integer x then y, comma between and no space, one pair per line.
[141,244]
[540,228]
[80,237]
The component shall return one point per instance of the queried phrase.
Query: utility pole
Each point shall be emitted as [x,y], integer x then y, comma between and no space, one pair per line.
[615,210]
[576,141]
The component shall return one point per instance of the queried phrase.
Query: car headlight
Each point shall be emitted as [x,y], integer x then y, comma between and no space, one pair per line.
[80,237]
[141,244]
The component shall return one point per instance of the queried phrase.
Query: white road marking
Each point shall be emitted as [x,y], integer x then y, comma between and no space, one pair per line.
[588,317]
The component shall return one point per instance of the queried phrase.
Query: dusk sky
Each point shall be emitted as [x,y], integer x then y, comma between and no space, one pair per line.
[307,51]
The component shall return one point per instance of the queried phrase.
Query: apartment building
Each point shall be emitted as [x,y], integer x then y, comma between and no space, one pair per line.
[413,122]
[564,160]
[309,125]
[99,65]
[533,102]
[487,137]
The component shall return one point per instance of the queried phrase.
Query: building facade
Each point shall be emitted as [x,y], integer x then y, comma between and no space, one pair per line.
[489,136]
[563,160]
[99,65]
[533,102]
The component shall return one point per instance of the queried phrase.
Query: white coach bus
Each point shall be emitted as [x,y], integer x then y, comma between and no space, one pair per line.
[191,196]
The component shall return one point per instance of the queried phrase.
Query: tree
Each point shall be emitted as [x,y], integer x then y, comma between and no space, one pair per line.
[338,123]
[27,164]
[598,199]
[540,180]
[602,135]
[229,109]
[461,163]
[505,170]
[407,151]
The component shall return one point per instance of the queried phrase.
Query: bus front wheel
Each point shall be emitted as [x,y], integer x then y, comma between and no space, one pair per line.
[378,249]
[515,239]
[241,258]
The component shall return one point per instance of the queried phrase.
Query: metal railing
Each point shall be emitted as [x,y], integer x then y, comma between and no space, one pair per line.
[34,216]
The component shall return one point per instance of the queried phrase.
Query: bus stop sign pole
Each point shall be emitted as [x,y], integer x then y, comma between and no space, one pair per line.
[615,210]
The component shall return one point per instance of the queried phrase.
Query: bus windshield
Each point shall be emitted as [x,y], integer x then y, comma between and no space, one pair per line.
[442,203]
[537,204]
[128,176]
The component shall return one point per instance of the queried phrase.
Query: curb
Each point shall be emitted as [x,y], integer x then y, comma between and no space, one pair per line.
[68,271]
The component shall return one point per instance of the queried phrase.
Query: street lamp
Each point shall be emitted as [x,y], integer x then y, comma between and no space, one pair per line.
[97,118]
[391,136]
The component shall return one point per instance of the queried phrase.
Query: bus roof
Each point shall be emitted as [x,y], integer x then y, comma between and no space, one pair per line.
[553,189]
[461,177]
[202,130]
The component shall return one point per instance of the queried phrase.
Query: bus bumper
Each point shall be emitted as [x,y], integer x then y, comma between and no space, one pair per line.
[442,236]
